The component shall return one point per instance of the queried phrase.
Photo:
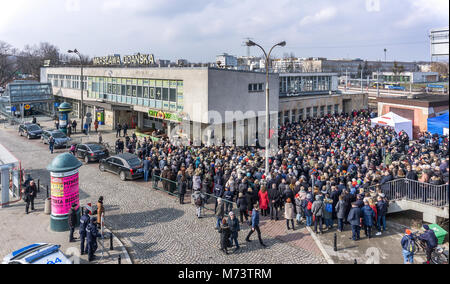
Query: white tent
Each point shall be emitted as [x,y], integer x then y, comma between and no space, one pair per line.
[395,121]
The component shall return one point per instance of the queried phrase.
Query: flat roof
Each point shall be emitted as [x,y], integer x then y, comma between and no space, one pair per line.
[422,100]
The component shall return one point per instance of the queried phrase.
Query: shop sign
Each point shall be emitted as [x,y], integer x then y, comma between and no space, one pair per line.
[137,59]
[164,115]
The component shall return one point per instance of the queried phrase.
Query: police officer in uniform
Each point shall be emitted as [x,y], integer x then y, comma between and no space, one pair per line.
[72,221]
[84,222]
[92,234]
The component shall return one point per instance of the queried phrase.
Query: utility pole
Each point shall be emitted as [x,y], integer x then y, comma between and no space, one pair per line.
[362,88]
[378,83]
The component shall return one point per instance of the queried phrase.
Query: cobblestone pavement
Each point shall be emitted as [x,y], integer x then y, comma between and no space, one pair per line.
[155,228]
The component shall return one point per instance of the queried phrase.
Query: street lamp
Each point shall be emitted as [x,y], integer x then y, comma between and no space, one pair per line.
[82,86]
[282,44]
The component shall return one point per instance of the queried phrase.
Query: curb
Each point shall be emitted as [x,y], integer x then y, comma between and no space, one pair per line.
[319,244]
[125,257]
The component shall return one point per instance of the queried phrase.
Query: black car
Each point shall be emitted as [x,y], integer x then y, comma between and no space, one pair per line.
[31,131]
[91,152]
[127,166]
[61,139]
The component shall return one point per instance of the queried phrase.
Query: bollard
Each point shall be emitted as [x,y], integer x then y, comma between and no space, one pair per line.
[39,186]
[335,242]
[111,246]
[47,191]
[356,262]
[119,261]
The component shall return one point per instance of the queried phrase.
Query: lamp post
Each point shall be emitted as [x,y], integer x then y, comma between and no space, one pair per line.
[82,86]
[282,44]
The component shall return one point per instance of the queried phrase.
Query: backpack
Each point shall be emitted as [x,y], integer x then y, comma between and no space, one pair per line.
[329,207]
[309,206]
[410,245]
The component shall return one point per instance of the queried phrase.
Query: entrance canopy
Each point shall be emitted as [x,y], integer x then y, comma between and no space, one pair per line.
[395,121]
[438,125]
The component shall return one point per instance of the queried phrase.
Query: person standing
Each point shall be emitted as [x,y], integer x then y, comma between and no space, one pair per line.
[84,222]
[408,246]
[317,212]
[86,129]
[289,213]
[274,199]
[381,218]
[100,138]
[220,212]
[341,208]
[30,193]
[96,125]
[198,201]
[263,200]
[368,216]
[235,228]
[182,187]
[72,222]
[242,206]
[91,235]
[51,144]
[255,226]
[100,211]
[147,164]
[354,218]
[118,129]
[225,233]
[328,212]
[69,130]
[125,129]
[74,126]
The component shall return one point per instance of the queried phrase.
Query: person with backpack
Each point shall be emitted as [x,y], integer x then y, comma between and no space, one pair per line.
[198,201]
[408,246]
[328,212]
[307,206]
[431,241]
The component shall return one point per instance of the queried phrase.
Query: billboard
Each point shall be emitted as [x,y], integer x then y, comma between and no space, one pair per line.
[439,42]
[64,192]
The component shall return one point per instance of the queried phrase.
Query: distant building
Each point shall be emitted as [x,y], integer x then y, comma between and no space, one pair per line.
[408,77]
[162,63]
[227,61]
[182,62]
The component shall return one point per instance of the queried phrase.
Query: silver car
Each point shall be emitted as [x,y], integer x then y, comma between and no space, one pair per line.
[40,253]
[61,140]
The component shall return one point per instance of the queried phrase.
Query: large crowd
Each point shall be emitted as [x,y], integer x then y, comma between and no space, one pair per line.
[324,168]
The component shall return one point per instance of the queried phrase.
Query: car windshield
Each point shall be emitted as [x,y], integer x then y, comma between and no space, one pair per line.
[134,162]
[33,128]
[58,134]
[96,147]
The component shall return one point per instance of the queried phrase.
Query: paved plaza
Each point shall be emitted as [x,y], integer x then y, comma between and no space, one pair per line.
[153,227]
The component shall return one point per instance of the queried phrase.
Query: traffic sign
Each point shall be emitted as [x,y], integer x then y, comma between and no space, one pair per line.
[27,107]
[435,86]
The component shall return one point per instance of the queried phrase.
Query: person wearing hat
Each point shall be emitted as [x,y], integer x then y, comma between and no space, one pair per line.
[235,228]
[92,234]
[84,222]
[72,221]
[431,241]
[408,246]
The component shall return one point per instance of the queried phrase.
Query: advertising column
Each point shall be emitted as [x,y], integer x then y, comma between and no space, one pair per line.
[64,177]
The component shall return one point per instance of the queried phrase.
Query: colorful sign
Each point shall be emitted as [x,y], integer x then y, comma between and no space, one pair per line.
[64,192]
[165,115]
[27,107]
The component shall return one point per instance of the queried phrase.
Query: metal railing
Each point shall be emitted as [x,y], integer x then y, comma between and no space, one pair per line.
[411,190]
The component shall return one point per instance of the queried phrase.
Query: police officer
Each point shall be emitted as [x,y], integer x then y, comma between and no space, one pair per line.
[84,222]
[72,221]
[92,234]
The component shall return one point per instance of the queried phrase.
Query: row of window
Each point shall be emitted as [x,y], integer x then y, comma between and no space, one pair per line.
[256,87]
[299,115]
[299,84]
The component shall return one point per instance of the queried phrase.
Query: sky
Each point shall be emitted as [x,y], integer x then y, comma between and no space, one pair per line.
[198,30]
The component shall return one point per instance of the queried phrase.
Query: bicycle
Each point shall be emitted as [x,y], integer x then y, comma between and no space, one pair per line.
[439,256]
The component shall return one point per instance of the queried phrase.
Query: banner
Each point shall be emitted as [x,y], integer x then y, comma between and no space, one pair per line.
[64,193]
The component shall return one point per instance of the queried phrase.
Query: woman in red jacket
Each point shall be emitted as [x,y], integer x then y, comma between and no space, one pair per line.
[263,201]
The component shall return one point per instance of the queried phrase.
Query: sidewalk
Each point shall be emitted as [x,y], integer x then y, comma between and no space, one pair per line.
[20,230]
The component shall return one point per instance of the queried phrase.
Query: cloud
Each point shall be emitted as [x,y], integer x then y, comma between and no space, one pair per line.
[420,11]
[319,17]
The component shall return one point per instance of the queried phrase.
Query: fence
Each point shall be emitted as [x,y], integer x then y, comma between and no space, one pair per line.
[411,190]
[171,187]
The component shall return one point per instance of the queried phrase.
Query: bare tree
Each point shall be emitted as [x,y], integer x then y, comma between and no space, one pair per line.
[441,68]
[8,62]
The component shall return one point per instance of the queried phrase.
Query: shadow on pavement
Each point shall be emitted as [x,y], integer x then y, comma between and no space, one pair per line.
[144,219]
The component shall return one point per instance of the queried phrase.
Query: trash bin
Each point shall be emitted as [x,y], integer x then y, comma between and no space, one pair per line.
[439,232]
[48,206]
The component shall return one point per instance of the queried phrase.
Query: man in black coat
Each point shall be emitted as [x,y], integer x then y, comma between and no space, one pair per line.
[30,194]
[274,201]
[72,222]
[92,234]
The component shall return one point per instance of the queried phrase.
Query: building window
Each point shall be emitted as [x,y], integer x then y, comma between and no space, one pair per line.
[286,117]
[139,92]
[256,87]
[294,115]
[300,115]
[308,112]
[322,111]
[329,109]
[336,109]
[315,109]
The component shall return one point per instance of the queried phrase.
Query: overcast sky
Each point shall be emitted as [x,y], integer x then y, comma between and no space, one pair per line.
[198,30]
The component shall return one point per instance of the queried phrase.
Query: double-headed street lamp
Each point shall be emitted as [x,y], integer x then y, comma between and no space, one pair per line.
[282,44]
[81,111]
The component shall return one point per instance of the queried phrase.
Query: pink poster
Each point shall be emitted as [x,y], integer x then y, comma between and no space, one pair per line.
[64,192]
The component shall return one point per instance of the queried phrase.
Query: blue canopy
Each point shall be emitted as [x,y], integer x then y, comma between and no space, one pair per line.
[436,125]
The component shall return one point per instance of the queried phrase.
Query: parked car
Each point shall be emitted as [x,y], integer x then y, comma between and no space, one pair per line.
[40,253]
[127,166]
[31,131]
[61,140]
[91,152]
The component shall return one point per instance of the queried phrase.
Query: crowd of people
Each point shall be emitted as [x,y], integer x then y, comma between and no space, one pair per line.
[326,170]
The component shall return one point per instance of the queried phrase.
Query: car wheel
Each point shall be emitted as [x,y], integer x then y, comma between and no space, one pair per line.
[122,175]
[101,167]
[86,159]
